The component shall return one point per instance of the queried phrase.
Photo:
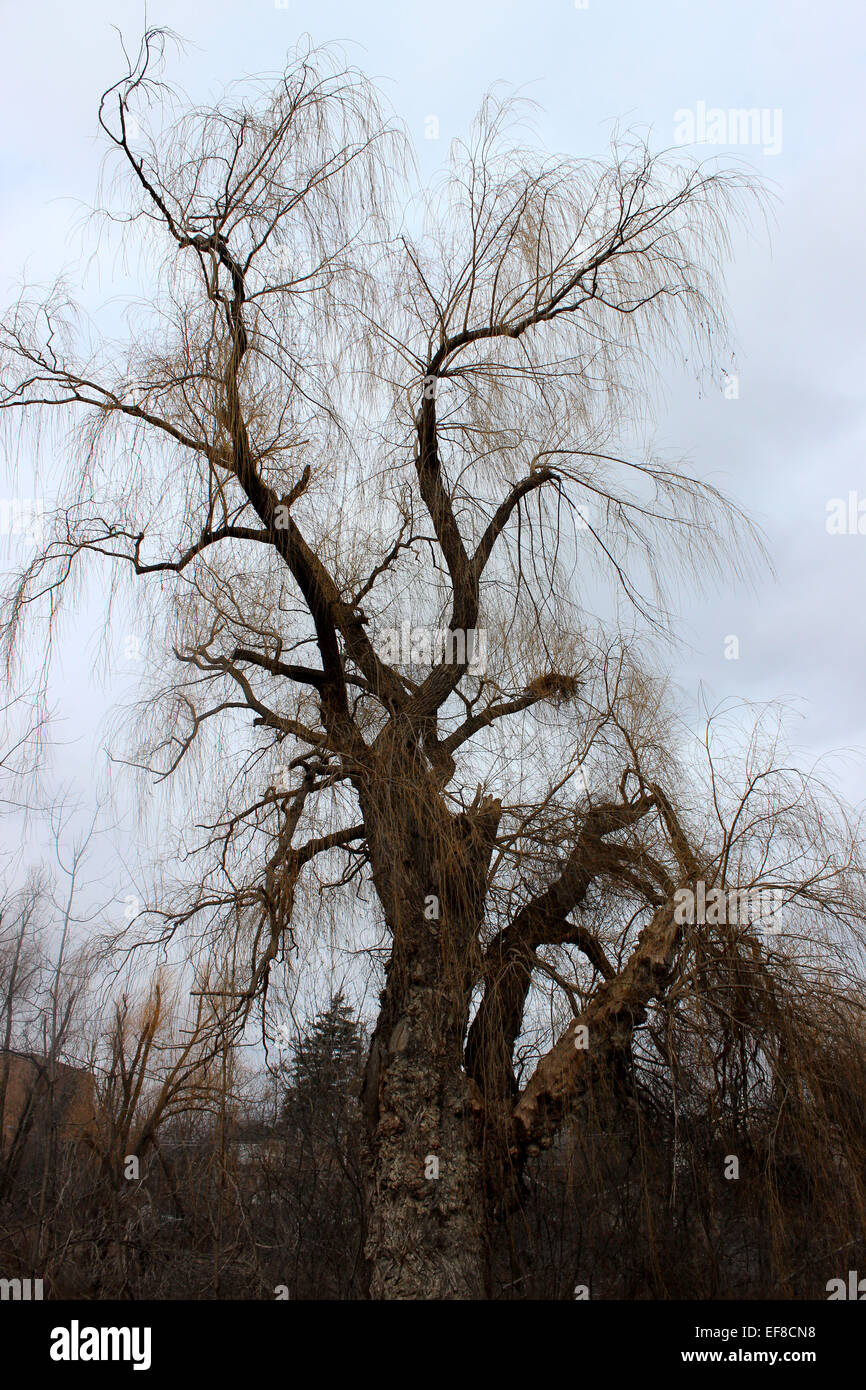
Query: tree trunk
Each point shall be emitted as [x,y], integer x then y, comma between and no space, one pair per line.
[426,1236]
[426,1231]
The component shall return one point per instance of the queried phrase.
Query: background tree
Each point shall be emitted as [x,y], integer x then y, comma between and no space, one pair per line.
[318,1169]
[325,1067]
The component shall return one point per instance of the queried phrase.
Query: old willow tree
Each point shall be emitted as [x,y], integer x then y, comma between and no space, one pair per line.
[377,464]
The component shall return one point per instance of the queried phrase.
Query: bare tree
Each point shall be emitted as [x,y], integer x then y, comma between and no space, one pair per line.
[377,472]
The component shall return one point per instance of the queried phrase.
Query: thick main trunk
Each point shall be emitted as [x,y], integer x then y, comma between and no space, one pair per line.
[425,1232]
[426,1236]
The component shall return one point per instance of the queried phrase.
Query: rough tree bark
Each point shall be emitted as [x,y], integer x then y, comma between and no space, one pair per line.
[426,1204]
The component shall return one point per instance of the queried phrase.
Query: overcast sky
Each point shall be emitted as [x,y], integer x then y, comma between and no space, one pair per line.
[785,439]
